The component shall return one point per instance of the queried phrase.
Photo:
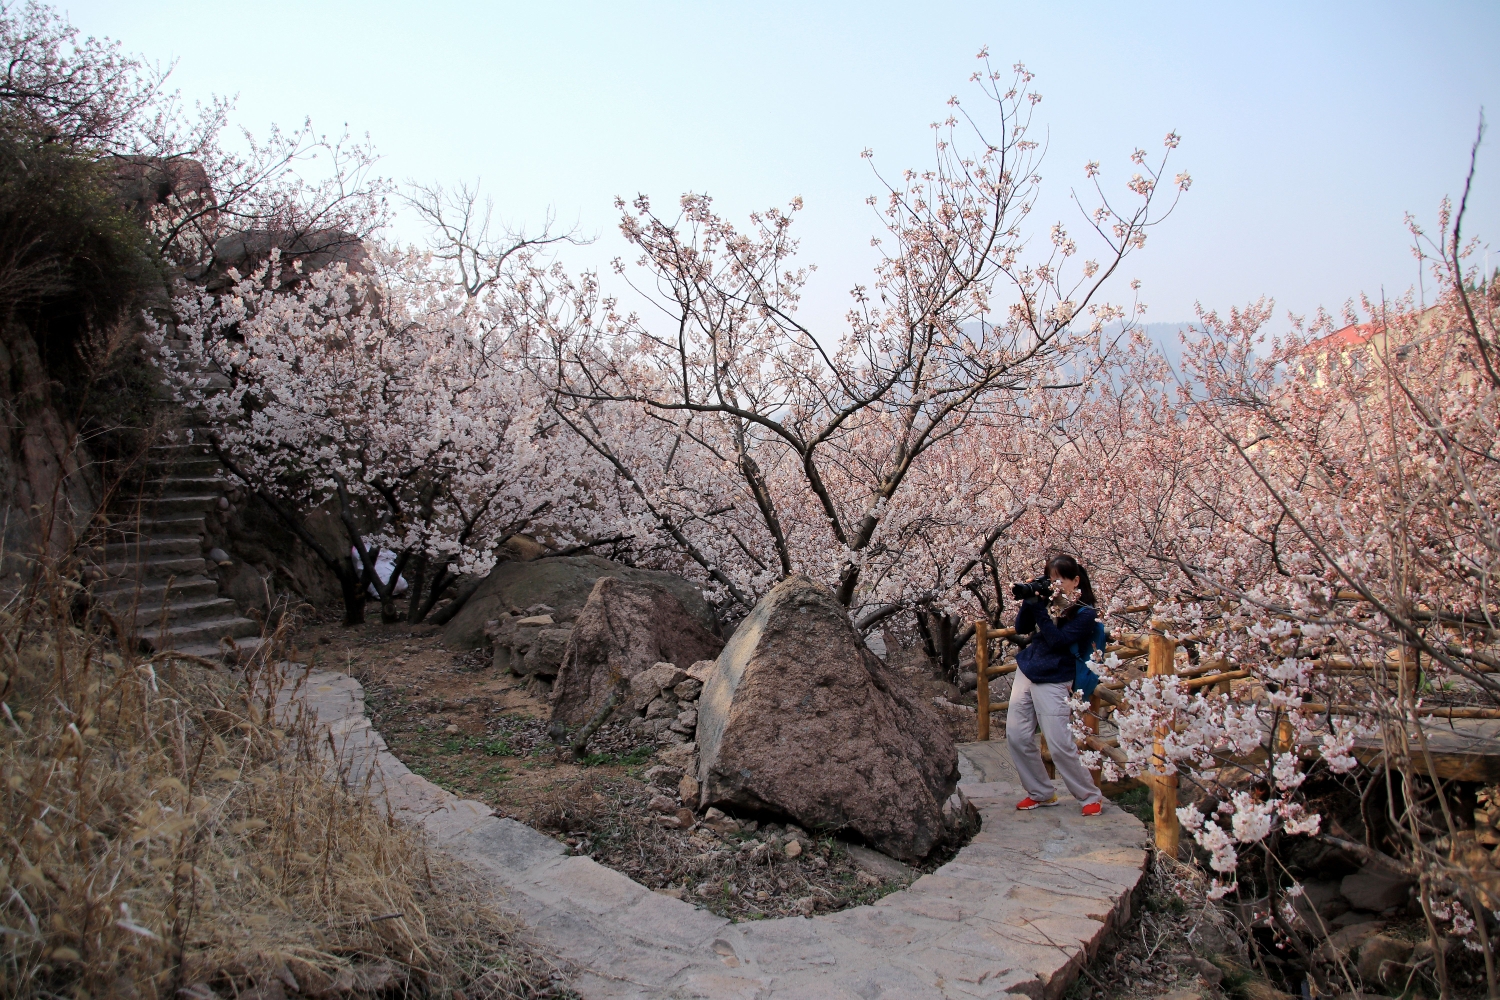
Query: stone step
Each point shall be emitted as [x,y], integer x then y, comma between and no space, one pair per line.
[177,438]
[156,568]
[183,483]
[182,614]
[203,609]
[124,593]
[200,633]
[146,547]
[177,450]
[213,650]
[181,524]
[171,501]
[186,465]
[130,527]
[169,505]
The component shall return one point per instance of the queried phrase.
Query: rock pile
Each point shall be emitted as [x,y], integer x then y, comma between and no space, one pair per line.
[676,793]
[1358,898]
[624,629]
[530,642]
[663,702]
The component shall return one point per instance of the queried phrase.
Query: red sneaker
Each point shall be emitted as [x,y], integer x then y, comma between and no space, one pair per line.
[1093,809]
[1030,803]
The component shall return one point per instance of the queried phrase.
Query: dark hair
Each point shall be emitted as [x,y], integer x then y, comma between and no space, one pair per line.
[1069,569]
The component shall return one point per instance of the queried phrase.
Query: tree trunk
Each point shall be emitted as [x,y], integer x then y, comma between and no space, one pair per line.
[415,610]
[465,591]
[943,637]
[354,596]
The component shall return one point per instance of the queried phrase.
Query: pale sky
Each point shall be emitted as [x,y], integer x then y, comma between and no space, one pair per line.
[1309,128]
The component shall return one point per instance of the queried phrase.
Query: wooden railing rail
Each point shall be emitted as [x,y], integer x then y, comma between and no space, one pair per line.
[1159,648]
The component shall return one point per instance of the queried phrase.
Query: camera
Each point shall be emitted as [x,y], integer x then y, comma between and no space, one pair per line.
[1041,588]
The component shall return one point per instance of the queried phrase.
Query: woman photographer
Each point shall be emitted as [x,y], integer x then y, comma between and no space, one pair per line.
[1044,682]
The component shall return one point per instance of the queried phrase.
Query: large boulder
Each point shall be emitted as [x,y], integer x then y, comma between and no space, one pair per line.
[563,584]
[625,628]
[800,719]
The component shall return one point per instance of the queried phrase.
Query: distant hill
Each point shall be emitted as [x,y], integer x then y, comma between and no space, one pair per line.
[1165,335]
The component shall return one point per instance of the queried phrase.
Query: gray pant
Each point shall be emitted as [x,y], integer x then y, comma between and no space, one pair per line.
[1045,705]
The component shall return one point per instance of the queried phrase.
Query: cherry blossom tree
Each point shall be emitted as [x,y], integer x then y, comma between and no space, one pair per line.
[775,448]
[1315,512]
[385,397]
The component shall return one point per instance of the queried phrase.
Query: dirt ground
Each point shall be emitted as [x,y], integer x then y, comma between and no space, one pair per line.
[454,719]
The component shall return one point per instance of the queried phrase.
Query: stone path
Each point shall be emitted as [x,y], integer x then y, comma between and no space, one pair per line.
[1016,912]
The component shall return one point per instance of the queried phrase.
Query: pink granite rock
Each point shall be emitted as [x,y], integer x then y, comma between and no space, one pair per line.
[799,719]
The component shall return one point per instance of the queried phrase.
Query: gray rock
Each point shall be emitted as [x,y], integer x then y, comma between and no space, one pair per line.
[648,729]
[1378,949]
[649,684]
[1425,950]
[878,864]
[562,584]
[685,757]
[245,585]
[1353,917]
[662,776]
[1210,972]
[688,690]
[800,718]
[1215,934]
[1319,903]
[511,641]
[1343,943]
[661,708]
[1201,966]
[218,556]
[546,653]
[1375,890]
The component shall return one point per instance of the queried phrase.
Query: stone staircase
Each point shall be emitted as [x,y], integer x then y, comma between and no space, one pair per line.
[154,574]
[152,568]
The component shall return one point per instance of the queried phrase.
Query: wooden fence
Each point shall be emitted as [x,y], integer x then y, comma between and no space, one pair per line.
[1160,654]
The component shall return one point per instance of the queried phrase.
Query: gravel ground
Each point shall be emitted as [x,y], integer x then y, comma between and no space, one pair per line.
[746,874]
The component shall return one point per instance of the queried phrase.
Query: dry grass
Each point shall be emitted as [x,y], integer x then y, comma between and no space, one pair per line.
[166,827]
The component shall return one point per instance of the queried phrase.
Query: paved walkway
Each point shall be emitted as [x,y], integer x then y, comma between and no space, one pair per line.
[1016,912]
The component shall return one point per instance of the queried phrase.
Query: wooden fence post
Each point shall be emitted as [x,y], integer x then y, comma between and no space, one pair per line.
[1091,725]
[1406,674]
[982,676]
[1161,661]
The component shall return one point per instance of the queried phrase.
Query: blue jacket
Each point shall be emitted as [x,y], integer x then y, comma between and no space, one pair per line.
[1049,658]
